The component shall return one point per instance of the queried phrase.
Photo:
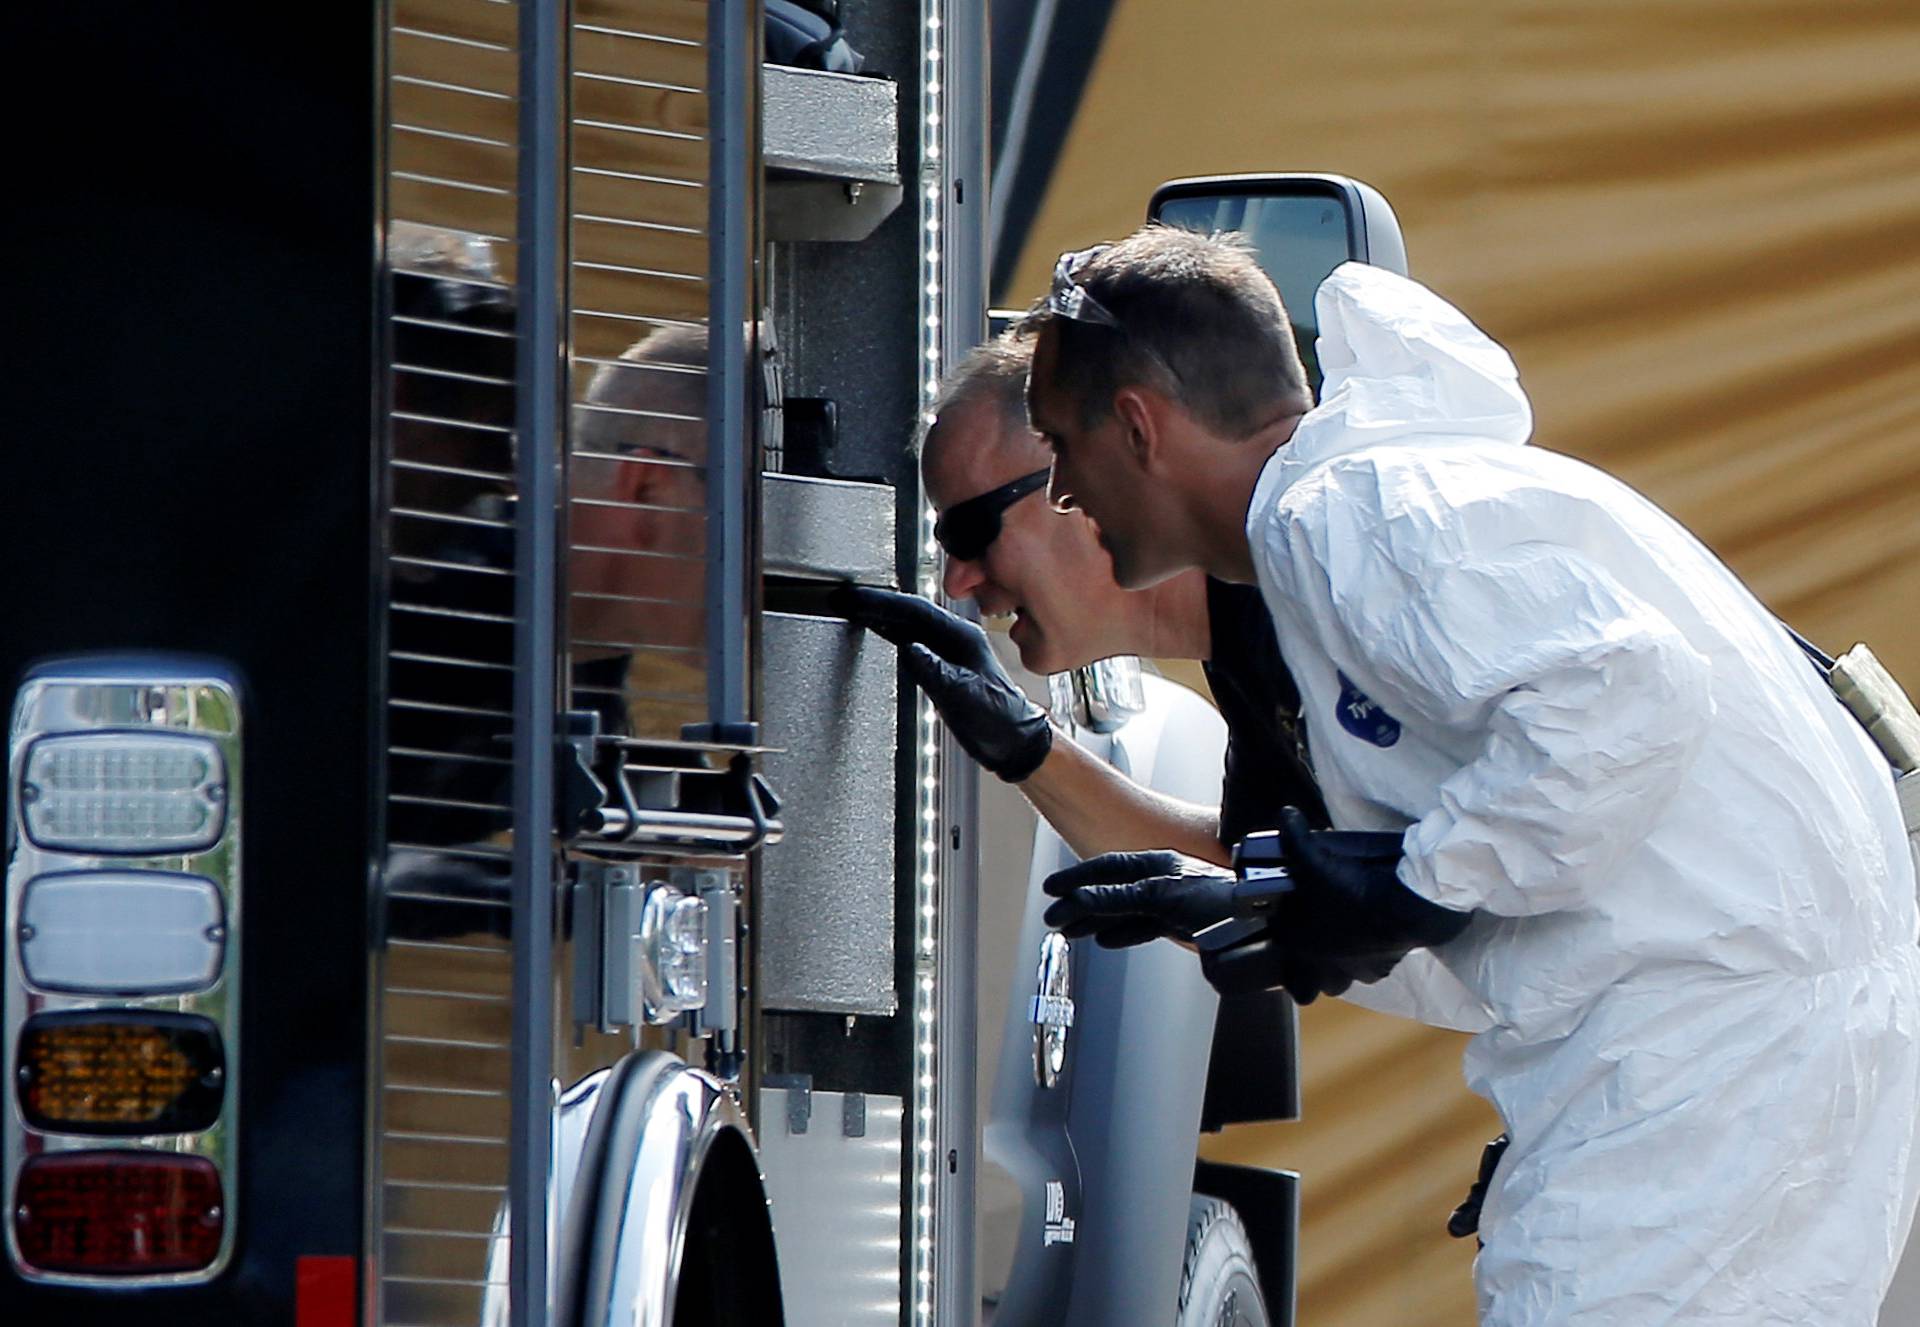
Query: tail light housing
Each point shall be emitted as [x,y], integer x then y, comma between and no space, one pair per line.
[120,1072]
[132,1213]
[143,793]
[122,971]
[128,933]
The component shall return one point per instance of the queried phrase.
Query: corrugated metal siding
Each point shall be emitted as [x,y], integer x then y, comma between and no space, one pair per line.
[637,465]
[638,158]
[1694,227]
[445,971]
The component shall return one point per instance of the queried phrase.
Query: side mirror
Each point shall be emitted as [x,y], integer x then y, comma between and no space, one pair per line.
[1301,228]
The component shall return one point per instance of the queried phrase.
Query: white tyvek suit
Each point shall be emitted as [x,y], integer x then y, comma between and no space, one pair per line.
[1696,960]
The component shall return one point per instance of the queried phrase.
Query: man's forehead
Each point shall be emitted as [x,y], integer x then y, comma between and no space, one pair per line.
[975,447]
[1042,395]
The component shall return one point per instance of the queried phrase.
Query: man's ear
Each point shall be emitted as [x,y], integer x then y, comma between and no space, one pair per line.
[1140,423]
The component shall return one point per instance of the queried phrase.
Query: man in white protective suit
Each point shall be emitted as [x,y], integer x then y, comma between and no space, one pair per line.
[1617,804]
[1045,572]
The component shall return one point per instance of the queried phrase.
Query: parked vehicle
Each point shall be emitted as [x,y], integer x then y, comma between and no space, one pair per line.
[457,870]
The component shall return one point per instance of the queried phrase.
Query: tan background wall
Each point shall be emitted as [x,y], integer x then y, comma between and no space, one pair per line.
[1697,227]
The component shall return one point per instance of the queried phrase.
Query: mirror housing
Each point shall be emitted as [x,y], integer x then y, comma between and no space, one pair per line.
[1372,230]
[1301,226]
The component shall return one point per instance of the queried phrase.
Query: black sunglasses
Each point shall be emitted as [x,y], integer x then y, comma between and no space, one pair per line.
[968,529]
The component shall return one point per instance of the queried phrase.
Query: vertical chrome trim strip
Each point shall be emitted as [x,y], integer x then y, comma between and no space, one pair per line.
[540,430]
[379,680]
[962,309]
[732,78]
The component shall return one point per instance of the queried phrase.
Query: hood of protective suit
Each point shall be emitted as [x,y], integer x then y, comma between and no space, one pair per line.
[1400,364]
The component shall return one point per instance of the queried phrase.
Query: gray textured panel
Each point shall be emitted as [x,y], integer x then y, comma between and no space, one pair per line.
[808,209]
[830,124]
[830,529]
[836,1209]
[827,890]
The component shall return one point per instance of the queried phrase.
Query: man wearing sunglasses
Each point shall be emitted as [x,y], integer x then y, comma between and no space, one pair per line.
[1047,574]
[1045,570]
[1623,811]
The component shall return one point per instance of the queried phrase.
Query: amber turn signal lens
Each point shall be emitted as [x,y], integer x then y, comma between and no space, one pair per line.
[124,1073]
[118,1213]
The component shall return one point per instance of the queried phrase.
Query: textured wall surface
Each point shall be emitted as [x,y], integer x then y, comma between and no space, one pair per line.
[827,888]
[1697,227]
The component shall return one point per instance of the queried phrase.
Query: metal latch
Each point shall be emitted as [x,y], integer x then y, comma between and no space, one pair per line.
[672,795]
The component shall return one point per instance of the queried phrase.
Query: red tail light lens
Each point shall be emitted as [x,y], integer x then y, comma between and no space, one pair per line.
[118,1213]
[102,1071]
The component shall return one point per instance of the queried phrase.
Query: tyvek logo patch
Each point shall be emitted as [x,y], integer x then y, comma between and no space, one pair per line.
[1361,717]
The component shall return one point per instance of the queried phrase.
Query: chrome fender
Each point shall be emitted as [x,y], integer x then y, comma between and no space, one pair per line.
[662,1137]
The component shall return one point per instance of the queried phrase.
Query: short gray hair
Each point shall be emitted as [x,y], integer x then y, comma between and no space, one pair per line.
[993,374]
[1200,321]
[664,372]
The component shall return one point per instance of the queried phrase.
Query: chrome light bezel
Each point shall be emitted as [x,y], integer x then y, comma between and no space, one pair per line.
[129,695]
[1101,697]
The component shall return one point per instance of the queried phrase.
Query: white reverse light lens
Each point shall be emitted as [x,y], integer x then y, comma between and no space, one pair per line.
[143,793]
[122,933]
[672,949]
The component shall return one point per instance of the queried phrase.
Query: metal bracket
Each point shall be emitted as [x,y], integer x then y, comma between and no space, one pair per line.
[670,796]
[609,919]
[832,144]
[604,902]
[722,897]
[799,1090]
[579,795]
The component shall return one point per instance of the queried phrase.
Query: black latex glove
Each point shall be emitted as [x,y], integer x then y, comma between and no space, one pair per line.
[1348,918]
[1269,967]
[1128,898]
[950,660]
[1348,905]
[1465,1220]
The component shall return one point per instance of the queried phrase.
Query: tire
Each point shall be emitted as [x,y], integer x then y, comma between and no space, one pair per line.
[1218,1284]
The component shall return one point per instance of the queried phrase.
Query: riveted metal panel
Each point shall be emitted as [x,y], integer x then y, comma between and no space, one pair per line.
[827,891]
[833,1184]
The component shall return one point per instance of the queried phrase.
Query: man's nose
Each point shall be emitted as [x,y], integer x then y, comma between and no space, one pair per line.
[962,578]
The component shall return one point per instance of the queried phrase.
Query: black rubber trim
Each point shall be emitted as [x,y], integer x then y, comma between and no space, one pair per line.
[1253,1072]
